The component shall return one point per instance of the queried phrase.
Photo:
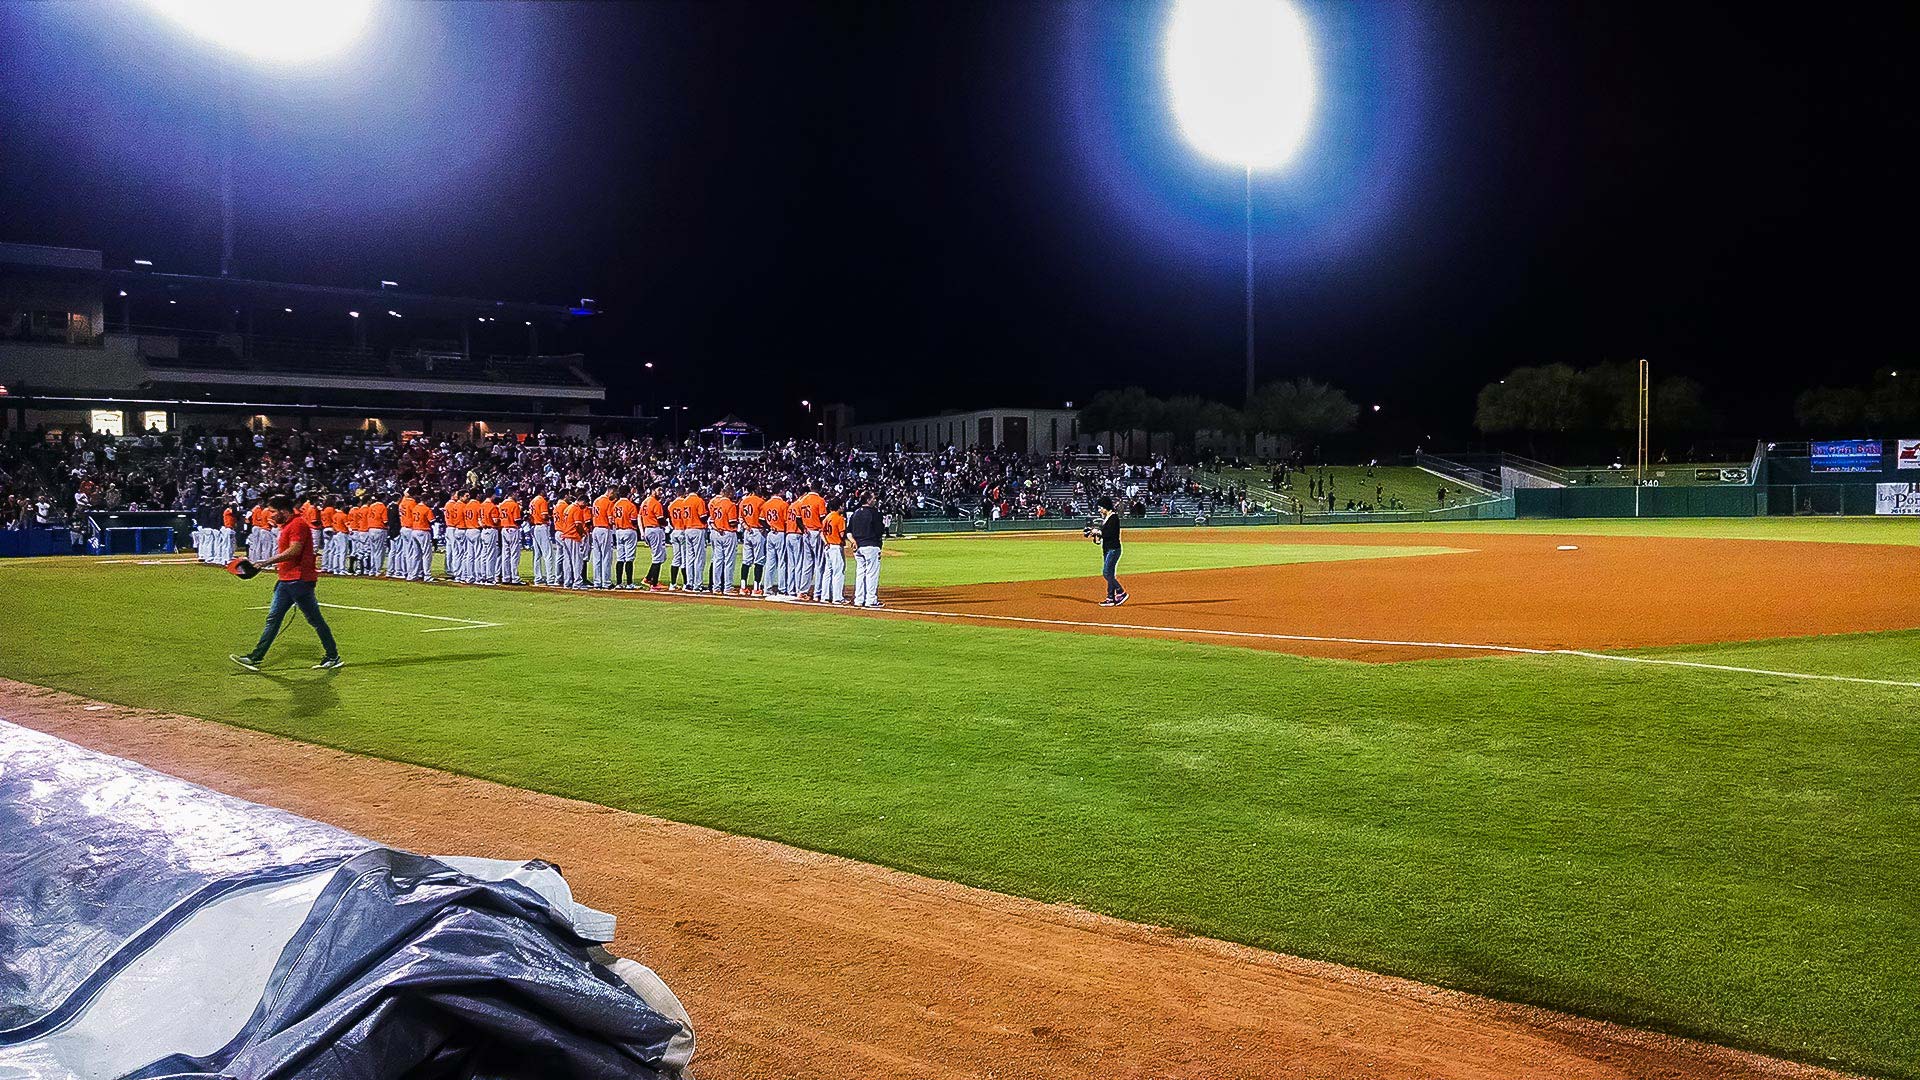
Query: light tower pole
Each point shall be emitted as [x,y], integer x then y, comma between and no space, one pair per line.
[1248,206]
[1240,81]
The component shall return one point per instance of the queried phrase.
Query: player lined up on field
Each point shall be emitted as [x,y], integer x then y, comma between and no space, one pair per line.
[750,542]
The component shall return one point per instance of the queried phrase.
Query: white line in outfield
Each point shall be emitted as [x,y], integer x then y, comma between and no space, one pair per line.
[1728,667]
[467,624]
[1447,645]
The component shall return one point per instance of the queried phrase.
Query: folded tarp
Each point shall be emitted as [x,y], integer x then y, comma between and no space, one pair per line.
[153,928]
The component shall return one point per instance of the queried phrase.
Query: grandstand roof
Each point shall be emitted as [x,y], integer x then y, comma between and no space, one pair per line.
[264,293]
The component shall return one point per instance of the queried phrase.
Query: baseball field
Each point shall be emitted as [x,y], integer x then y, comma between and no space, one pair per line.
[1664,774]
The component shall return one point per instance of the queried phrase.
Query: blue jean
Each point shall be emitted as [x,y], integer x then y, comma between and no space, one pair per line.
[287,594]
[1107,566]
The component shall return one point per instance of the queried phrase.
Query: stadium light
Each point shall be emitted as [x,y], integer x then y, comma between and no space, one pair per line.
[1240,77]
[288,310]
[1376,408]
[393,313]
[143,262]
[283,31]
[123,293]
[1240,73]
[650,366]
[389,284]
[353,314]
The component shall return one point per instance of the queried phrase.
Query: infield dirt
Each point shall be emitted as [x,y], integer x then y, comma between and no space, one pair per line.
[1611,592]
[796,964]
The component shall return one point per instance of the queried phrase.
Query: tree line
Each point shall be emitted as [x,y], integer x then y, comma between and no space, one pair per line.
[1300,410]
[1887,399]
[1559,399]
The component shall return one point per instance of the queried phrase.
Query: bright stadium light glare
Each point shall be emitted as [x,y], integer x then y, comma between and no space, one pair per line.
[278,31]
[1240,73]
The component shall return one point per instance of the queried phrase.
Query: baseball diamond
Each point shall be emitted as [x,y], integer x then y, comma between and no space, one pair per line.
[770,539]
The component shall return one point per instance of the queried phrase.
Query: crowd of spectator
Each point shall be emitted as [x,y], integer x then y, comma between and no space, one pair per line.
[52,479]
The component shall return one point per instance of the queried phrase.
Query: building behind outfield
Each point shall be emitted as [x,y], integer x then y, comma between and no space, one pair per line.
[121,351]
[1042,431]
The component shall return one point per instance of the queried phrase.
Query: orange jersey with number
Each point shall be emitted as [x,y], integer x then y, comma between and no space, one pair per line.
[810,509]
[509,513]
[833,528]
[775,513]
[723,514]
[750,509]
[651,513]
[625,513]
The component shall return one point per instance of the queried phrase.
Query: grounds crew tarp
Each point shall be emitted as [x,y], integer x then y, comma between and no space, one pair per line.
[152,928]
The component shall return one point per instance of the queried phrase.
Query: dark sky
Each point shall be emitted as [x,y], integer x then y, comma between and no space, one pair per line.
[915,206]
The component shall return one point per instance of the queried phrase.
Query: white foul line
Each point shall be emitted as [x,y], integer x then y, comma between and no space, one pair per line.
[467,624]
[1515,649]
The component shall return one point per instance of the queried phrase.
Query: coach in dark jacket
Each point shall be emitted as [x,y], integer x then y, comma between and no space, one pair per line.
[865,528]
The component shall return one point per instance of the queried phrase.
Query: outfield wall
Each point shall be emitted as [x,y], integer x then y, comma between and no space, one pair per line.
[1595,502]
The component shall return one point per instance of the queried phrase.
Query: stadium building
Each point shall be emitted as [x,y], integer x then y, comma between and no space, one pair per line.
[125,351]
[1040,431]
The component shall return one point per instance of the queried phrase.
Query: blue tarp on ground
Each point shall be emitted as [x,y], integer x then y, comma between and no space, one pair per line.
[149,927]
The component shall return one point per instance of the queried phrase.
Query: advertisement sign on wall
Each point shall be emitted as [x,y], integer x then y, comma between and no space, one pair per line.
[1909,456]
[1847,455]
[1896,499]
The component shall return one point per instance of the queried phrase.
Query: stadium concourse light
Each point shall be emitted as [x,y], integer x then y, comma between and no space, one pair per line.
[1240,76]
[278,31]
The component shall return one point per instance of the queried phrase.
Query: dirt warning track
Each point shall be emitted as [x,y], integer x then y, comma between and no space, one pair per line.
[799,964]
[1610,593]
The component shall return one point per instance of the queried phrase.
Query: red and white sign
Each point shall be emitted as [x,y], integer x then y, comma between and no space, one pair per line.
[1909,455]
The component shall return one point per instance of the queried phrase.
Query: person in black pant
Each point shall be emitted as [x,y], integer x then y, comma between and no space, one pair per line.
[1109,533]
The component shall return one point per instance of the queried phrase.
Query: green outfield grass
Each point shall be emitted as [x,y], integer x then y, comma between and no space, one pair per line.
[1718,854]
[965,560]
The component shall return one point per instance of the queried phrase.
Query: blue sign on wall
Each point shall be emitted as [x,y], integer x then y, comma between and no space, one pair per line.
[1849,455]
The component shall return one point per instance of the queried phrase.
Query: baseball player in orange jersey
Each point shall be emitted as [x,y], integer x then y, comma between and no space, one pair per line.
[418,523]
[832,588]
[486,519]
[356,541]
[653,526]
[562,515]
[696,511]
[376,535]
[811,509]
[723,539]
[602,551]
[569,524]
[583,526]
[545,556]
[470,536]
[508,568]
[677,540]
[753,543]
[796,576]
[626,537]
[776,513]
[400,563]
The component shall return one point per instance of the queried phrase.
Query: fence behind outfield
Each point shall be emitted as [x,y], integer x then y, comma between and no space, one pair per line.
[1484,510]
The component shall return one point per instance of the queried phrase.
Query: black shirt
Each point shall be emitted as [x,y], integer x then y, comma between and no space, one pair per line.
[1110,533]
[864,527]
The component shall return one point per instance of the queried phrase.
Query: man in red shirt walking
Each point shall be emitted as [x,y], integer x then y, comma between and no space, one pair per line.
[297,575]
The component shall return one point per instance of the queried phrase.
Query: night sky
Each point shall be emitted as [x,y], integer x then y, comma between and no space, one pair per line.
[917,206]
